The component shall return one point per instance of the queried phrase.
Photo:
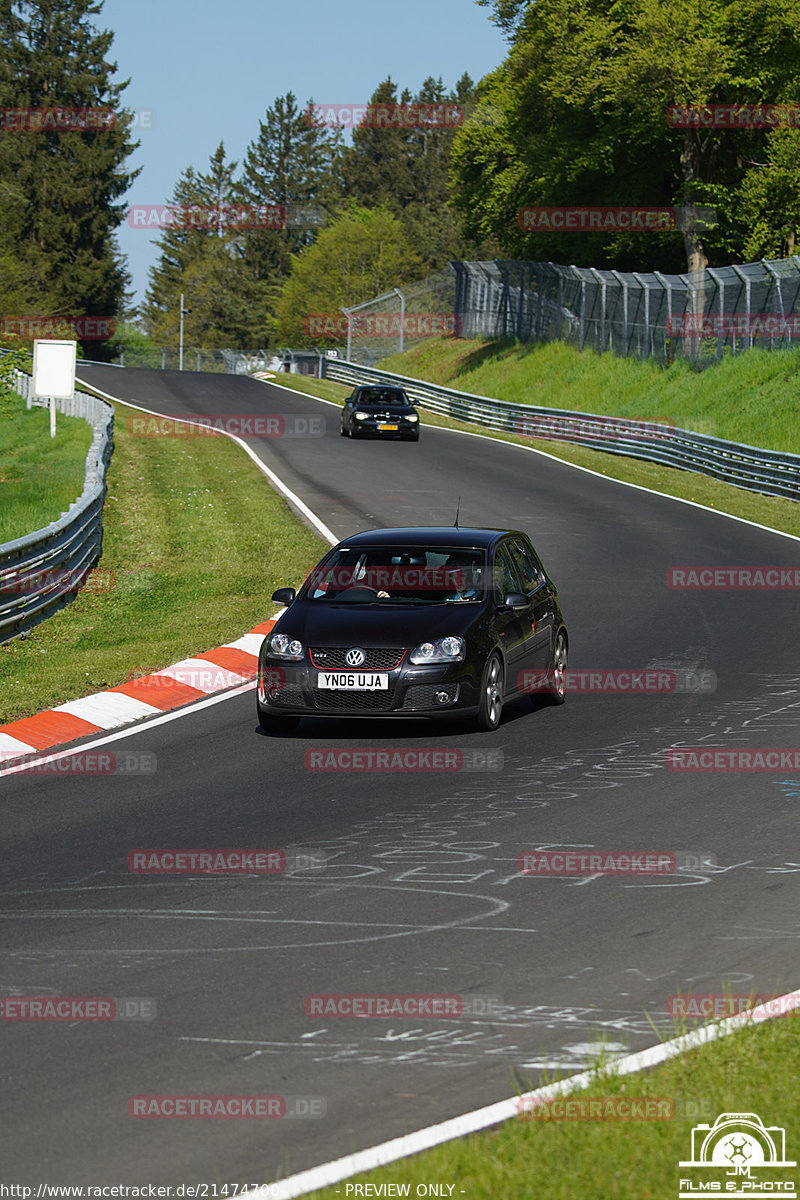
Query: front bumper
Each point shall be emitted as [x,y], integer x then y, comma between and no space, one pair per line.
[290,689]
[405,429]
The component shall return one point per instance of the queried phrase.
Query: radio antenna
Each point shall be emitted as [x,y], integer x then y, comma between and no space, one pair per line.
[458,510]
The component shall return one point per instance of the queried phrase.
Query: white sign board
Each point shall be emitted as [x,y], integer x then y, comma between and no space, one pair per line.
[54,368]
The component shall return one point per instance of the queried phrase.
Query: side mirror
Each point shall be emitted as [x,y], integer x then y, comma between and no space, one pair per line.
[513,600]
[284,596]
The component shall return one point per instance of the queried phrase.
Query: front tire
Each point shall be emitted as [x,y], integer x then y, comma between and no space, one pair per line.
[557,692]
[490,704]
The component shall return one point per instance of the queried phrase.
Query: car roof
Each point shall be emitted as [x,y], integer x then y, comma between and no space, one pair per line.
[431,535]
[383,387]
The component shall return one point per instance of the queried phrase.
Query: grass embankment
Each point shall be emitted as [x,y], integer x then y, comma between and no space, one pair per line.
[40,476]
[765,510]
[195,541]
[752,1071]
[753,397]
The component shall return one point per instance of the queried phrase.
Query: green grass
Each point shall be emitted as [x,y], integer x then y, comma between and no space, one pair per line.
[753,397]
[754,1070]
[40,476]
[195,541]
[765,510]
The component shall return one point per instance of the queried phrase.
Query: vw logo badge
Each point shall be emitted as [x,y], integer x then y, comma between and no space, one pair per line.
[355,658]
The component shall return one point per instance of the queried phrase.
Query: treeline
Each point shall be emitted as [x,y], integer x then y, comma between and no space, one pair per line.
[64,144]
[357,219]
[576,115]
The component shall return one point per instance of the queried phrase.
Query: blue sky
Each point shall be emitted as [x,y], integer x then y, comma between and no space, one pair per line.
[207,72]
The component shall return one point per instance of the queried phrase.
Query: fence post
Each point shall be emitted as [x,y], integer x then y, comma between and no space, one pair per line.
[648,334]
[539,285]
[583,313]
[624,287]
[777,279]
[602,339]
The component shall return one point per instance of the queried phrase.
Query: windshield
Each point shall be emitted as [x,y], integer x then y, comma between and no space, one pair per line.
[385,397]
[399,575]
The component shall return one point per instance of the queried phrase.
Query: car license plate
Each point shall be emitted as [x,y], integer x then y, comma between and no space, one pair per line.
[354,681]
[387,427]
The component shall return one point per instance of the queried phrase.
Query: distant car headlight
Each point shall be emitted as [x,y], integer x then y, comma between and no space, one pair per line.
[285,647]
[362,416]
[448,649]
[412,417]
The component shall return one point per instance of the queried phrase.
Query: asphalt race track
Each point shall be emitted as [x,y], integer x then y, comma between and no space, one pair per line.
[421,893]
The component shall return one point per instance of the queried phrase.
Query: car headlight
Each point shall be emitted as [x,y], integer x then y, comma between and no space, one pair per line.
[412,417]
[448,649]
[362,416]
[285,647]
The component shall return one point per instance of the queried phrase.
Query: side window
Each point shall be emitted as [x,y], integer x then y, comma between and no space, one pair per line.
[505,574]
[529,569]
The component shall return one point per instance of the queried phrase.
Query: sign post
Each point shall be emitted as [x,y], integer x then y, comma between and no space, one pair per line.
[54,373]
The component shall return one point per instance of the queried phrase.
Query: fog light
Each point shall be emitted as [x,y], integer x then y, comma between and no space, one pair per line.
[441,697]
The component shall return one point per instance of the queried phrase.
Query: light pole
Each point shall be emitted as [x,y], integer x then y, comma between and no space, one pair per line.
[397,292]
[184,311]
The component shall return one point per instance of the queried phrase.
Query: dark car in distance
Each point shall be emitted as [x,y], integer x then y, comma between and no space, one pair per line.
[384,411]
[415,622]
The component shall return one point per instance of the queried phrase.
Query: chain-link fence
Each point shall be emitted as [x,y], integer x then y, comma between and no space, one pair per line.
[642,314]
[633,313]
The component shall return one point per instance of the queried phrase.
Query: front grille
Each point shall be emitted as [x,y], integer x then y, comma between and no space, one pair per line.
[331,658]
[353,701]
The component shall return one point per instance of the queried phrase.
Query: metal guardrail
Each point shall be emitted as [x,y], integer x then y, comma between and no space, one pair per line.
[43,571]
[772,473]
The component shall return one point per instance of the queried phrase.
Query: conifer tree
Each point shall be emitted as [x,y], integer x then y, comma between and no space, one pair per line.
[60,187]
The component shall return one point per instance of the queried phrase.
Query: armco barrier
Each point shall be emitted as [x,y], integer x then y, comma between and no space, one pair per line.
[767,471]
[33,568]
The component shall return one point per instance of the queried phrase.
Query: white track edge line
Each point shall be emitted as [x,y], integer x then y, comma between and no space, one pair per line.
[40,757]
[327,1174]
[640,487]
[285,491]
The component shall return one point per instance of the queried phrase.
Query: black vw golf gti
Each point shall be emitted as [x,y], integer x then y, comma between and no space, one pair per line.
[426,622]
